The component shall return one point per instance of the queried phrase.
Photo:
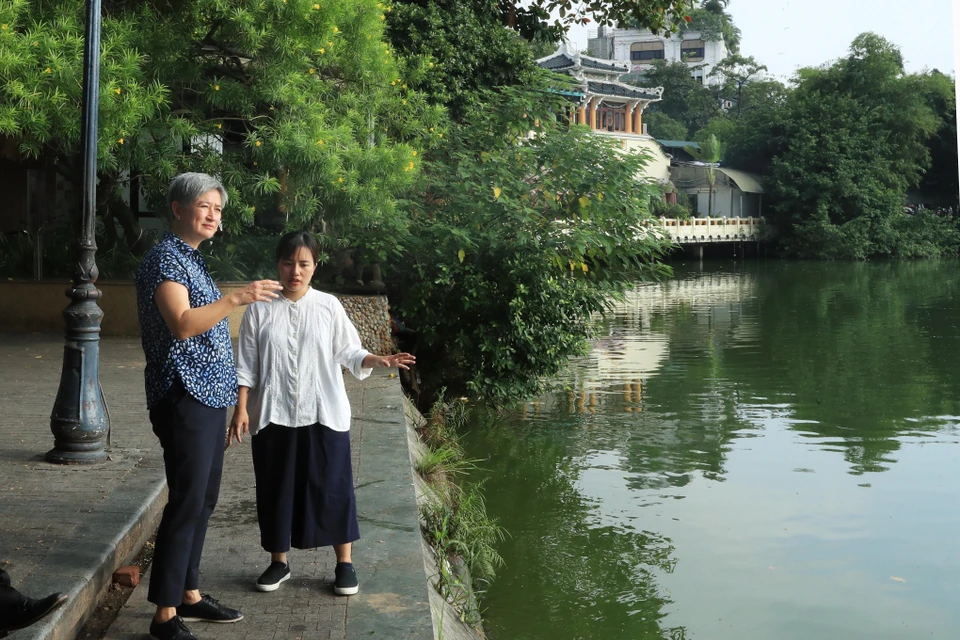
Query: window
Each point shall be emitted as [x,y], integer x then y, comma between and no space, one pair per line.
[646,51]
[612,117]
[692,50]
[697,75]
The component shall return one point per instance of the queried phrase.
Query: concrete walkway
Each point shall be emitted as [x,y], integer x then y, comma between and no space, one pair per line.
[68,528]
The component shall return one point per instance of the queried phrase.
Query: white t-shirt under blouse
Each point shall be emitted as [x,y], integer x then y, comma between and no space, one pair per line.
[290,354]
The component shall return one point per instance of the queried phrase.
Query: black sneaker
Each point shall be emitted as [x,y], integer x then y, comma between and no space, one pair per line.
[208,610]
[346,583]
[172,629]
[276,573]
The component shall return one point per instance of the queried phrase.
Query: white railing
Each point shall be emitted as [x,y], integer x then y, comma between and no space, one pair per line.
[708,230]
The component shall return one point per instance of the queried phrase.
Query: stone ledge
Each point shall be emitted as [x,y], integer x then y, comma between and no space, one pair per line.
[83,566]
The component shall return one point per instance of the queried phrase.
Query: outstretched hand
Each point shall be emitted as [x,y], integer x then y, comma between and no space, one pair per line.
[259,291]
[397,360]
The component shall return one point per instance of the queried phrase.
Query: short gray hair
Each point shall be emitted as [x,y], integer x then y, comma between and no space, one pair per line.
[187,187]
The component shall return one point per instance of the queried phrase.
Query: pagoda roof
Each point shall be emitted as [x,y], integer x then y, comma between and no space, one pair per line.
[565,60]
[620,90]
[557,62]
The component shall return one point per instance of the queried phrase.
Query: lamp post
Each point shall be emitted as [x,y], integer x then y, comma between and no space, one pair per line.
[79,420]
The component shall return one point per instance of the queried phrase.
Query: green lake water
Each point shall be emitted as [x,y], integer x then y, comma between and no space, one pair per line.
[751,451]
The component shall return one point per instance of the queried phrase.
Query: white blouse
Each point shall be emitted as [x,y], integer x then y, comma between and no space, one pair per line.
[290,353]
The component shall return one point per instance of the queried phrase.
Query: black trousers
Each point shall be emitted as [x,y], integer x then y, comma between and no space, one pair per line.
[10,598]
[192,437]
[305,495]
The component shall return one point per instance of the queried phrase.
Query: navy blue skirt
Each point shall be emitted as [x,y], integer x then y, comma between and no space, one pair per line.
[305,495]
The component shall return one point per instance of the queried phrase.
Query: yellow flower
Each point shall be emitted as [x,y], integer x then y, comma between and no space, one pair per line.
[441,135]
[329,43]
[116,91]
[336,30]
[320,142]
[257,143]
[383,17]
[254,164]
[219,126]
[316,6]
[216,87]
[48,70]
[414,154]
[120,140]
[431,129]
[36,44]
[393,83]
[321,50]
[3,26]
[312,71]
[339,179]
[404,85]
[403,102]
[431,65]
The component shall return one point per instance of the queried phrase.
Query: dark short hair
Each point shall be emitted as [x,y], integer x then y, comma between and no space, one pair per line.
[291,242]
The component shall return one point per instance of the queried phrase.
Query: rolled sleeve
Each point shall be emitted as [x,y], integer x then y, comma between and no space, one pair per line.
[171,269]
[248,354]
[347,349]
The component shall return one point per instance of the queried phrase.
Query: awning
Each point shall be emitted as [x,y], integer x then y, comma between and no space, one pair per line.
[746,182]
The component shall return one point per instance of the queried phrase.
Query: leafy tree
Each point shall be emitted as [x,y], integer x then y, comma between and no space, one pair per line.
[753,132]
[522,230]
[854,138]
[299,106]
[529,19]
[714,23]
[662,126]
[465,46]
[684,100]
[734,74]
[709,152]
[941,181]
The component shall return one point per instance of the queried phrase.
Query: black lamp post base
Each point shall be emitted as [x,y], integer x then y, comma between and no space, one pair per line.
[57,456]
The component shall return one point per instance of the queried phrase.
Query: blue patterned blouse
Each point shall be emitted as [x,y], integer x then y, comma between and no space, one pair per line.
[204,363]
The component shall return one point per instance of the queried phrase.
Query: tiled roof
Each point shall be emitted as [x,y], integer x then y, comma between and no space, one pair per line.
[620,91]
[558,62]
[592,63]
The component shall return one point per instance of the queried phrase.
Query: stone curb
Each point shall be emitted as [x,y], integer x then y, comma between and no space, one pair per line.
[83,566]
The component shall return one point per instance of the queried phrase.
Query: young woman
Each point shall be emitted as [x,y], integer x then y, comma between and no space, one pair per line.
[293,401]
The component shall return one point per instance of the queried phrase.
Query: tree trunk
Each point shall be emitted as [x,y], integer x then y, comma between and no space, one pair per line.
[120,212]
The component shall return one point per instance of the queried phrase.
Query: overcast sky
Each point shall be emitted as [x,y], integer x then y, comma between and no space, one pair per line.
[789,34]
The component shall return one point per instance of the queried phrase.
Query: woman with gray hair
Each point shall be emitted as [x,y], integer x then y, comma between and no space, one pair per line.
[190,381]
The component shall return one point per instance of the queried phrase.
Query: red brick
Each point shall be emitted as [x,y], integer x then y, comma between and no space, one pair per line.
[127,576]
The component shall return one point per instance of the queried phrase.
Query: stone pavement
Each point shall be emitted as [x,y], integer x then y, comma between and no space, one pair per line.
[67,528]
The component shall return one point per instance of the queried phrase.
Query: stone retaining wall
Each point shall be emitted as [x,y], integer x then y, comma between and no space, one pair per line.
[371,317]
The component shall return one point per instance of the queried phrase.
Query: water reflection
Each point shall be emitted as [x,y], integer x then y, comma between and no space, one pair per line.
[720,451]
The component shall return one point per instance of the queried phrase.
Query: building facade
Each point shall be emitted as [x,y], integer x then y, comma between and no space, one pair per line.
[610,107]
[640,48]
